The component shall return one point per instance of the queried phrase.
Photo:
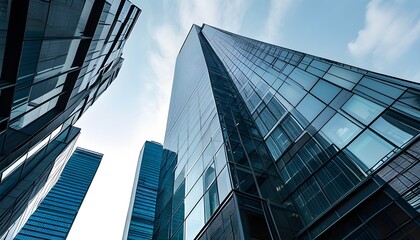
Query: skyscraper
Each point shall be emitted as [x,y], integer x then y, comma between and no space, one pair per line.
[264,142]
[55,215]
[141,212]
[56,59]
[25,188]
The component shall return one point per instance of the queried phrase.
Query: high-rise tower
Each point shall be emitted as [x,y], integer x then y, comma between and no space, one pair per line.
[263,142]
[141,212]
[55,215]
[56,59]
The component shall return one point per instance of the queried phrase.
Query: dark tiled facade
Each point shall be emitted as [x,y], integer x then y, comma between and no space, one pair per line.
[264,142]
[55,215]
[56,59]
[141,212]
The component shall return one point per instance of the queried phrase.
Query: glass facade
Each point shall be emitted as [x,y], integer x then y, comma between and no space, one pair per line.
[141,212]
[297,146]
[29,183]
[56,59]
[55,215]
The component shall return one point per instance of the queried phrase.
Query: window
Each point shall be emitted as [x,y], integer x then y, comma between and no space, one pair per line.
[310,107]
[325,91]
[362,109]
[340,130]
[369,148]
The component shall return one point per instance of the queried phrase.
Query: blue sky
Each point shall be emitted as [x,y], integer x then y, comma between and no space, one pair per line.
[382,36]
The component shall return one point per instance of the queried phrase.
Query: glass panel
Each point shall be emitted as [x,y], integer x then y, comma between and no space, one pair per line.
[369,148]
[195,221]
[310,107]
[223,184]
[346,74]
[291,92]
[209,176]
[396,128]
[211,201]
[340,130]
[193,196]
[362,109]
[325,91]
[306,80]
[291,127]
[280,140]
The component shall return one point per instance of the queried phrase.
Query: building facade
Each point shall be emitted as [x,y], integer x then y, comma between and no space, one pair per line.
[26,187]
[141,211]
[264,142]
[56,59]
[55,215]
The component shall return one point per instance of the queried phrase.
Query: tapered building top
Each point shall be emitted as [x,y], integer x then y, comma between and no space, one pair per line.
[264,142]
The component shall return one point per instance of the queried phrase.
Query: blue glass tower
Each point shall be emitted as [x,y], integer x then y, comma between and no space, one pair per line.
[264,142]
[56,59]
[55,215]
[141,212]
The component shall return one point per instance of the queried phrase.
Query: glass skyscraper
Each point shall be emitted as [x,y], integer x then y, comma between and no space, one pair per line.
[56,59]
[141,212]
[27,187]
[55,215]
[264,142]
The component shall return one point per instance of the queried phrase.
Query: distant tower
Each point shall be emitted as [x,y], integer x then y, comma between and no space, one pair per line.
[55,215]
[141,212]
[263,142]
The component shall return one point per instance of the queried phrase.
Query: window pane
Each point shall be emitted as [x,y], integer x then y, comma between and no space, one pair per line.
[340,130]
[369,149]
[362,109]
[310,107]
[305,79]
[223,184]
[395,127]
[195,221]
[211,201]
[325,91]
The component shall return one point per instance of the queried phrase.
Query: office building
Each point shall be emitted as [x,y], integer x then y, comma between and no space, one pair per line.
[264,142]
[55,215]
[56,59]
[141,212]
[30,183]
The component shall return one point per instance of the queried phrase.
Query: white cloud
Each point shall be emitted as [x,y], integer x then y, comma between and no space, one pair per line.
[278,11]
[390,30]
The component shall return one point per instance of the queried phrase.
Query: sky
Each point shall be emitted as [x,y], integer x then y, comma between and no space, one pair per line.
[377,35]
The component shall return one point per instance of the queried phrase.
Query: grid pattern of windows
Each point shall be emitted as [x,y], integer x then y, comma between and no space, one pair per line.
[141,212]
[194,178]
[55,215]
[328,125]
[56,59]
[303,144]
[46,166]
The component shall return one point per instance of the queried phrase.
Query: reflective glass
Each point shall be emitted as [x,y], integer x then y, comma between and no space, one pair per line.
[310,107]
[194,221]
[325,91]
[396,128]
[223,184]
[369,148]
[305,79]
[362,109]
[291,92]
[340,130]
[211,201]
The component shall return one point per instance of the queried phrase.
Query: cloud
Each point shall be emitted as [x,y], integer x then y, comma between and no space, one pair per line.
[390,30]
[278,11]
